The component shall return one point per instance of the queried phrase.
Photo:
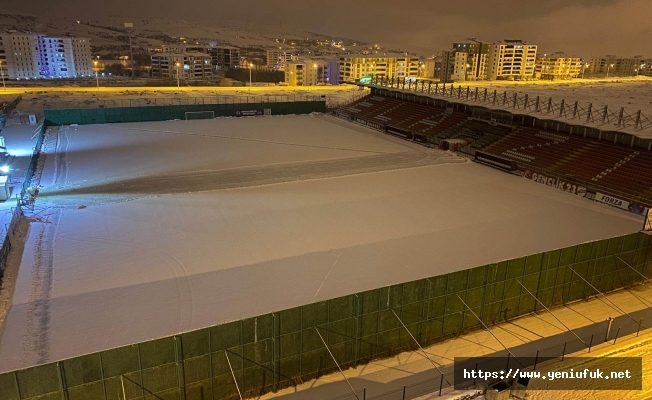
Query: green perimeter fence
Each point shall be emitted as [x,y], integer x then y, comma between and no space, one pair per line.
[283,348]
[142,113]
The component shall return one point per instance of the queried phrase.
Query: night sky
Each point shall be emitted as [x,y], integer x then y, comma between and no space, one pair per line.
[585,28]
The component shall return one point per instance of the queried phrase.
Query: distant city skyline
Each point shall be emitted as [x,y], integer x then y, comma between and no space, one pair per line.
[585,28]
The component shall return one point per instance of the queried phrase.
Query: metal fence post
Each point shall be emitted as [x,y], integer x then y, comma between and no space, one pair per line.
[563,106]
[609,322]
[638,119]
[575,110]
[525,101]
[404,387]
[504,98]
[515,99]
[441,384]
[591,342]
[604,114]
[588,114]
[617,333]
[495,95]
[536,358]
[563,353]
[549,104]
[640,321]
[620,115]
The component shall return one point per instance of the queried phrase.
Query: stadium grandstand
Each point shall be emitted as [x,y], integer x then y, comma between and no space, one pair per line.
[610,165]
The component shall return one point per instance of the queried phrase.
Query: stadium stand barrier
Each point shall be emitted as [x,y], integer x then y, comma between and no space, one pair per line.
[285,348]
[610,167]
[524,103]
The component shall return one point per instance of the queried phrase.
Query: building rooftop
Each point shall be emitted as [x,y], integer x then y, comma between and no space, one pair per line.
[184,54]
[376,55]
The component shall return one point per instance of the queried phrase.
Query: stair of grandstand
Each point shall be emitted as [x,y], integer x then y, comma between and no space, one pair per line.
[605,165]
[599,164]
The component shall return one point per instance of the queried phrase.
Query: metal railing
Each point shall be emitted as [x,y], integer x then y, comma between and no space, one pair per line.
[438,383]
[554,109]
[22,199]
[74,103]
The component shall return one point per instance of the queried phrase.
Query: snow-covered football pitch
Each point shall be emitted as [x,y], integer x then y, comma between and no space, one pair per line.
[144,230]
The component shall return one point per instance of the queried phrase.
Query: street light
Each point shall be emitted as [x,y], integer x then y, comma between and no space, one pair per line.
[2,74]
[97,79]
[639,67]
[584,69]
[177,65]
[608,68]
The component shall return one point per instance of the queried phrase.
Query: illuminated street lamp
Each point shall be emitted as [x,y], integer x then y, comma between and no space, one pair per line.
[177,65]
[608,68]
[97,79]
[639,68]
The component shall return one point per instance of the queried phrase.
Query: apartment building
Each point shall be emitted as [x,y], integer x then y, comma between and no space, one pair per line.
[427,68]
[511,60]
[557,66]
[185,66]
[29,56]
[356,66]
[645,68]
[224,57]
[276,59]
[311,72]
[464,62]
[619,65]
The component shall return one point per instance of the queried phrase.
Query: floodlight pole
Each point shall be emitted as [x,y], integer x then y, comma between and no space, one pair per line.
[633,269]
[122,382]
[421,348]
[613,305]
[336,363]
[490,332]
[546,308]
[226,354]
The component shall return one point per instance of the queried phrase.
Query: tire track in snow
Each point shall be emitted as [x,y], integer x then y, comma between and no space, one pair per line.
[181,276]
[250,140]
[37,336]
[36,341]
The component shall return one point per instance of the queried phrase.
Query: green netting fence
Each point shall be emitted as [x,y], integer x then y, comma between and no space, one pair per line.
[276,350]
[144,113]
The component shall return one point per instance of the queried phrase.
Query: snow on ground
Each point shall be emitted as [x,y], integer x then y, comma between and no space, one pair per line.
[145,230]
[633,94]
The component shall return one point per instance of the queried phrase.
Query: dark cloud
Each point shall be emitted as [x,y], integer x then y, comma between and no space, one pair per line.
[583,27]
